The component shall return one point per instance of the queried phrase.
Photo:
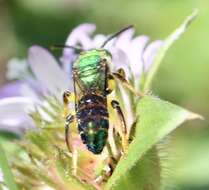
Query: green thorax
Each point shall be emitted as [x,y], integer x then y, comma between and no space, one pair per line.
[91,73]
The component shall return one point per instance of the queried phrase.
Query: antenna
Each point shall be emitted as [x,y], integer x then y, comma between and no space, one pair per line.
[115,35]
[58,46]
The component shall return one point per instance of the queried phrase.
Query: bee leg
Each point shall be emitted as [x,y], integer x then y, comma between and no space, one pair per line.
[67,98]
[123,130]
[120,75]
[69,120]
[112,161]
[111,84]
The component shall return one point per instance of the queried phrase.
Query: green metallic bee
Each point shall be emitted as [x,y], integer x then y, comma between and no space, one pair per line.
[92,79]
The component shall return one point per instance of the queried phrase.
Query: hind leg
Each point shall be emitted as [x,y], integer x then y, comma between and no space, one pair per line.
[115,105]
[123,128]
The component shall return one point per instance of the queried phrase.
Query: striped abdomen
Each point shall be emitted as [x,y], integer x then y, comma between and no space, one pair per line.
[92,116]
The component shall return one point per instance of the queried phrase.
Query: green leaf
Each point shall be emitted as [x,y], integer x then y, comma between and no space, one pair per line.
[145,174]
[8,177]
[162,51]
[156,119]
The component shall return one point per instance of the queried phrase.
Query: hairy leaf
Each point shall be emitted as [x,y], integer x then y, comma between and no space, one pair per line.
[156,119]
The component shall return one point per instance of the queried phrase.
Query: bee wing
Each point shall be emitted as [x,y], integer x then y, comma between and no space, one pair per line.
[78,87]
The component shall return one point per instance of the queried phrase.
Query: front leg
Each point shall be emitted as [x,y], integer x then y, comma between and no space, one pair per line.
[67,98]
[120,75]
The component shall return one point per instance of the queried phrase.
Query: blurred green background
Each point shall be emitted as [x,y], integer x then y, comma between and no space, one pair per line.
[183,77]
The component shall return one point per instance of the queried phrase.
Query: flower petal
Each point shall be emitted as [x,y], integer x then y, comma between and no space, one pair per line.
[81,34]
[11,89]
[150,52]
[124,39]
[20,88]
[14,114]
[119,60]
[48,72]
[98,40]
[135,53]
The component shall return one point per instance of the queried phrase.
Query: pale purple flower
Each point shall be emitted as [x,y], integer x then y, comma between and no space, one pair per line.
[11,89]
[14,113]
[20,88]
[48,72]
[133,54]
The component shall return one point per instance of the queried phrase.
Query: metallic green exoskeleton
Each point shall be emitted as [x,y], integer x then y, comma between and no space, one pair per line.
[91,75]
